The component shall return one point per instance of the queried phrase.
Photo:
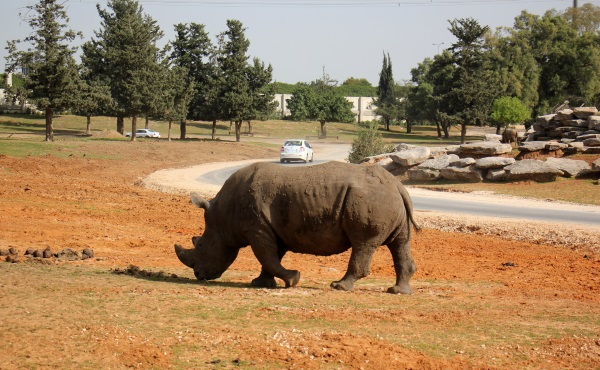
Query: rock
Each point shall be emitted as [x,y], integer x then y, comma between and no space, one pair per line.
[37,253]
[594,123]
[440,162]
[453,149]
[544,121]
[376,159]
[69,255]
[468,174]
[596,165]
[592,142]
[494,162]
[576,144]
[47,253]
[410,157]
[486,148]
[569,167]
[463,162]
[564,114]
[423,174]
[493,137]
[87,253]
[403,146]
[591,150]
[585,112]
[496,174]
[12,258]
[4,252]
[533,146]
[576,123]
[29,252]
[437,151]
[554,146]
[532,169]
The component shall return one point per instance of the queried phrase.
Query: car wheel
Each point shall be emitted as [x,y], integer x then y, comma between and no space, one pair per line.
[281,160]
[312,157]
[305,160]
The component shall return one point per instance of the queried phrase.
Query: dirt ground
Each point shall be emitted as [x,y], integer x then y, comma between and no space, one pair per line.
[481,301]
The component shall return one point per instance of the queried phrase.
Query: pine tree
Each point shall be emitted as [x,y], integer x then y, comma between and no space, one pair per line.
[53,76]
[386,102]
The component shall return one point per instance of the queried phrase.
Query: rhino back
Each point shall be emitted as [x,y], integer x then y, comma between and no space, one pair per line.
[317,209]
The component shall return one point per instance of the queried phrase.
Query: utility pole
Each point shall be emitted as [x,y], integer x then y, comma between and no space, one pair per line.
[575,4]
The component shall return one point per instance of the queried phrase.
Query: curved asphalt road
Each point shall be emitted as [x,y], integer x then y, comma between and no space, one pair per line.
[545,212]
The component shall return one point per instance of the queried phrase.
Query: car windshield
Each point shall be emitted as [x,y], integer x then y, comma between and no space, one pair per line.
[293,143]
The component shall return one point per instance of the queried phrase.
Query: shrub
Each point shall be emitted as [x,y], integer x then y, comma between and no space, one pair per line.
[368,143]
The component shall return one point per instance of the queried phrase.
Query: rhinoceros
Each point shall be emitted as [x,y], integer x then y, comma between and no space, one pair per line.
[319,210]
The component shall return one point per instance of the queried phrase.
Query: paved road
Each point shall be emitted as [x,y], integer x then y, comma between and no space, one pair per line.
[447,202]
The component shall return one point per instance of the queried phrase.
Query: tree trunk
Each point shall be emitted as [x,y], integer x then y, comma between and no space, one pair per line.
[439,129]
[88,125]
[498,128]
[249,126]
[323,134]
[408,127]
[147,123]
[463,133]
[169,132]
[387,123]
[214,128]
[49,128]
[133,126]
[238,127]
[120,124]
[182,129]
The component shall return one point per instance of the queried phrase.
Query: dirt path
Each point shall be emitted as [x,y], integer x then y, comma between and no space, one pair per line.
[483,299]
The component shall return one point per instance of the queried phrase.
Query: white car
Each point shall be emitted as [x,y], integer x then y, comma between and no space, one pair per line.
[144,133]
[296,149]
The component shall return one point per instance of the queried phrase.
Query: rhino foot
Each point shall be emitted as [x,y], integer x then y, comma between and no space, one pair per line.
[264,282]
[292,278]
[342,285]
[400,289]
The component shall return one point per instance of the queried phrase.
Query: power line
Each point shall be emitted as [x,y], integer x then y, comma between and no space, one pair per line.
[331,3]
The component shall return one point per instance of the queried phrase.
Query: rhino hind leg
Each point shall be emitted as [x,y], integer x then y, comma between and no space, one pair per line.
[403,264]
[359,267]
[264,280]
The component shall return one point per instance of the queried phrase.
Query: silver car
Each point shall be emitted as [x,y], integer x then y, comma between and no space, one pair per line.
[144,133]
[296,149]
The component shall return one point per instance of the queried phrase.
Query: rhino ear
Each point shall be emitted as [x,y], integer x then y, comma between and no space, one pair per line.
[199,202]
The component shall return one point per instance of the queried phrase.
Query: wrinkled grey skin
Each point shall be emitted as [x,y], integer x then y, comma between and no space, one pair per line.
[320,210]
[510,136]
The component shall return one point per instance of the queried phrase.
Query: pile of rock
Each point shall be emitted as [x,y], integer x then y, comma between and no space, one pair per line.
[568,126]
[67,254]
[474,162]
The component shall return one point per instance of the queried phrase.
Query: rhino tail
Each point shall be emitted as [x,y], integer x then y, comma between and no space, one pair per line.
[408,205]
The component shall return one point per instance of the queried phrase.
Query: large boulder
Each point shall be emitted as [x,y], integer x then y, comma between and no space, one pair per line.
[596,165]
[533,146]
[412,156]
[423,174]
[467,174]
[484,148]
[532,169]
[439,162]
[585,112]
[593,141]
[493,162]
[496,174]
[463,162]
[564,114]
[569,167]
[594,123]
[544,121]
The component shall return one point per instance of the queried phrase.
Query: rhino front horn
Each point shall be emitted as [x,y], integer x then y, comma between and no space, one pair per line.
[186,256]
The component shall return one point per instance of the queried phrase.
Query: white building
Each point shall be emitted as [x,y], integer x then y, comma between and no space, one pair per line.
[362,106]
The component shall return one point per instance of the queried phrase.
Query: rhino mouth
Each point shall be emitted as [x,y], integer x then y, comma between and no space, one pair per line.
[207,277]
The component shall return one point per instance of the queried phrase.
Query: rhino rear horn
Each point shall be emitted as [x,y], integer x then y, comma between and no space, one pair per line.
[186,256]
[199,202]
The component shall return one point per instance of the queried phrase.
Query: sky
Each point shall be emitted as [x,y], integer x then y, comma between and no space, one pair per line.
[301,39]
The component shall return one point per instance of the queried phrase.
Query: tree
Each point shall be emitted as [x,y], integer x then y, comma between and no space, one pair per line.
[124,52]
[386,102]
[92,99]
[509,110]
[179,94]
[193,50]
[244,93]
[474,85]
[321,103]
[52,77]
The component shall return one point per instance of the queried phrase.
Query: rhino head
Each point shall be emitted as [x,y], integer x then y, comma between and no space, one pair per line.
[210,257]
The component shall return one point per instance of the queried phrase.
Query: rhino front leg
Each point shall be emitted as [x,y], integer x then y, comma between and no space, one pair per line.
[403,264]
[358,267]
[268,256]
[266,279]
